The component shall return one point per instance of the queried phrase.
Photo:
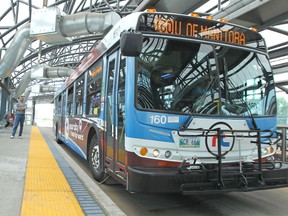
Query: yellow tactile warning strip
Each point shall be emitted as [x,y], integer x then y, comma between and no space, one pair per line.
[47,191]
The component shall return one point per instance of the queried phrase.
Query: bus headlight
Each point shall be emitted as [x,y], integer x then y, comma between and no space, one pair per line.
[156,153]
[265,151]
[168,154]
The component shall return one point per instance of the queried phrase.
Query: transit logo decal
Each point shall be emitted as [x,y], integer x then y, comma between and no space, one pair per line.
[223,143]
[75,129]
[226,141]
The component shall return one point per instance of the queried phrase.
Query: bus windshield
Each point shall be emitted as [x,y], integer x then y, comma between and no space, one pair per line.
[198,78]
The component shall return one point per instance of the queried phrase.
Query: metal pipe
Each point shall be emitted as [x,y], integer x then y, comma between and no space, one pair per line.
[15,52]
[56,72]
[70,25]
[45,3]
[14,27]
[219,5]
[27,93]
[45,73]
[30,9]
[86,23]
[46,89]
[22,85]
[13,11]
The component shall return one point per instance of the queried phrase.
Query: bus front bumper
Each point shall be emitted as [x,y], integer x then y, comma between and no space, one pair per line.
[171,180]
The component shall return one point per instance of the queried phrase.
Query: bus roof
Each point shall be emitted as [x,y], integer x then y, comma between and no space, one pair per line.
[170,24]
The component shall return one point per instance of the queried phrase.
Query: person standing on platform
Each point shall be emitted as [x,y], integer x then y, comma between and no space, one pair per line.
[20,108]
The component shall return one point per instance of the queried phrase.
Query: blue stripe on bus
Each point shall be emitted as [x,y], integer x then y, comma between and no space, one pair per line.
[73,146]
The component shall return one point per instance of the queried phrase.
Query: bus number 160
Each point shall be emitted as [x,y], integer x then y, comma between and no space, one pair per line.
[156,119]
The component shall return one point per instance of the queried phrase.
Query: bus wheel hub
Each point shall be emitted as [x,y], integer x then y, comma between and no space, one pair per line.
[95,157]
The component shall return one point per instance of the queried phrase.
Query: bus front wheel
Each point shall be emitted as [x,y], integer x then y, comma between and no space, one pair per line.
[96,159]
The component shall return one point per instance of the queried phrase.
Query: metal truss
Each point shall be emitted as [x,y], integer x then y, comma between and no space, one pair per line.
[66,55]
[63,56]
[19,12]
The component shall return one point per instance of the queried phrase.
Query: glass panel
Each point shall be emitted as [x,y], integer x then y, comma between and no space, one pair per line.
[247,86]
[176,76]
[57,103]
[121,110]
[79,95]
[181,76]
[94,89]
[111,75]
[70,101]
[63,104]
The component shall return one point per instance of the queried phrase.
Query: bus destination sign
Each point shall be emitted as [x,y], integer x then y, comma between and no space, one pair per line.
[195,28]
[190,29]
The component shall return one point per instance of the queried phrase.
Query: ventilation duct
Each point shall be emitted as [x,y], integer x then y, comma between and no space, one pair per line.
[15,52]
[87,23]
[22,85]
[43,89]
[40,72]
[53,27]
[46,72]
[27,93]
[60,27]
[48,89]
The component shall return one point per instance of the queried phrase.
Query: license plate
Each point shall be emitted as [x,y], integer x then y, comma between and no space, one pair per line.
[189,142]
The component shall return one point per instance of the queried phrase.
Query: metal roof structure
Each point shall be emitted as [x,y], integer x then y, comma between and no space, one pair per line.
[270,17]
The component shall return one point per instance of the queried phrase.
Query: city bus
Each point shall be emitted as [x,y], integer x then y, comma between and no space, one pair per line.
[171,103]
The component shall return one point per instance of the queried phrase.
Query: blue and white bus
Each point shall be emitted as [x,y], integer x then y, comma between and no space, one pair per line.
[174,103]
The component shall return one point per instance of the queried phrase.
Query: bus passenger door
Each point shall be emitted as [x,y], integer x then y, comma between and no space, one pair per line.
[110,113]
[63,113]
[115,115]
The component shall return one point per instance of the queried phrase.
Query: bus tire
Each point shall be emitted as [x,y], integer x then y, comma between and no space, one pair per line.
[95,157]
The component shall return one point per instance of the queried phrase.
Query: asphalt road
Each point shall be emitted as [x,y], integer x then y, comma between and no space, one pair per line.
[257,203]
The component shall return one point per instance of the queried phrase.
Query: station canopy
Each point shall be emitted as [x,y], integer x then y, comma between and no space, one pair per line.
[270,17]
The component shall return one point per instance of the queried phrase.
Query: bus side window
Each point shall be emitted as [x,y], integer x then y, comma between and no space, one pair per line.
[121,110]
[94,102]
[70,101]
[94,89]
[79,96]
[58,105]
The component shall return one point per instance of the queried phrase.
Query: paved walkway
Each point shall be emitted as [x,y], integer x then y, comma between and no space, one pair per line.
[13,160]
[39,178]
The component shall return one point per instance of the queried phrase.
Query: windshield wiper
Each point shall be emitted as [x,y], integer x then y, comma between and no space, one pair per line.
[254,124]
[186,123]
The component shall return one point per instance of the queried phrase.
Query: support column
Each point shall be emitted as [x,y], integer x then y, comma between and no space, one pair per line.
[4,97]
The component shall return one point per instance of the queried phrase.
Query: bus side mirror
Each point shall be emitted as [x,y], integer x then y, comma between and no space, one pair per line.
[131,43]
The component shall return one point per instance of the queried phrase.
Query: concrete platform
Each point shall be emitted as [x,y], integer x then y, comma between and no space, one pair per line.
[32,192]
[13,160]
